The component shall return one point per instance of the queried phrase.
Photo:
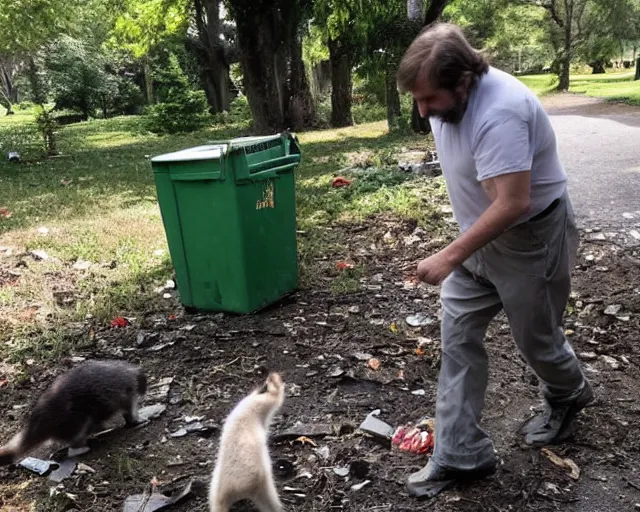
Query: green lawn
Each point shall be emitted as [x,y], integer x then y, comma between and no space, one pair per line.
[96,202]
[610,86]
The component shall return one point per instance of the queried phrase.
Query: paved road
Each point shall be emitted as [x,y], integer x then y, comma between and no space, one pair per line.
[600,148]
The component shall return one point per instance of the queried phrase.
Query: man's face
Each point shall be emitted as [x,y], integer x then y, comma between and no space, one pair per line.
[447,105]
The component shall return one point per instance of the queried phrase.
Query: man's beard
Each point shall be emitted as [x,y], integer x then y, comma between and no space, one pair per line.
[453,115]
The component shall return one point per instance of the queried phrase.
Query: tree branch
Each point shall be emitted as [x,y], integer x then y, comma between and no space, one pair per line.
[434,11]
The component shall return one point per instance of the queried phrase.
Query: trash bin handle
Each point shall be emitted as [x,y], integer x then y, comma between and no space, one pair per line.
[276,164]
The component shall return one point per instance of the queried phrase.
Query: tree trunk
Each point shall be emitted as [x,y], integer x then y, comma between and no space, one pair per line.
[341,84]
[37,87]
[418,123]
[148,80]
[392,96]
[210,54]
[258,45]
[8,90]
[415,9]
[637,77]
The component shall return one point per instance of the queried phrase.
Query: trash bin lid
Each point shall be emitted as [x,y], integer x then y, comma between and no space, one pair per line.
[206,152]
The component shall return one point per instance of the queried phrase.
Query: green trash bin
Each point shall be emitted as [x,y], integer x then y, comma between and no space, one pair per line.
[229,214]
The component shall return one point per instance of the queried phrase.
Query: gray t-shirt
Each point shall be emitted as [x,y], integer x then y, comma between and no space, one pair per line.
[504,129]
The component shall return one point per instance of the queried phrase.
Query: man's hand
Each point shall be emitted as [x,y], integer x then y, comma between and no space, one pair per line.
[509,194]
[436,268]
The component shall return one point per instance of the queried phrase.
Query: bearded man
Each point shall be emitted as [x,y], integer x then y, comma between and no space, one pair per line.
[517,245]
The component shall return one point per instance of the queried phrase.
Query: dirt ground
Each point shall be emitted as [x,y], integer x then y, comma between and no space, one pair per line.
[316,340]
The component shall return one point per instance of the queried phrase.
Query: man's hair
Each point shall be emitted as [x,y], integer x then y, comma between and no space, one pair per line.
[441,55]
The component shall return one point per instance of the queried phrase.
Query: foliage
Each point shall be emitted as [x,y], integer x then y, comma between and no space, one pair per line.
[28,24]
[82,78]
[47,125]
[143,24]
[180,108]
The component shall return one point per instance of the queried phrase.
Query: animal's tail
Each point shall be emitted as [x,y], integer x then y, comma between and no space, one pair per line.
[20,444]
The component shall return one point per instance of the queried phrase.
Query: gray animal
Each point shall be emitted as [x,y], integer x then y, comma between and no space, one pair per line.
[77,404]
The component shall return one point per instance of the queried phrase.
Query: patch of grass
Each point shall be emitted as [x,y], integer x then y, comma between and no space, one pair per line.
[348,280]
[610,86]
[96,203]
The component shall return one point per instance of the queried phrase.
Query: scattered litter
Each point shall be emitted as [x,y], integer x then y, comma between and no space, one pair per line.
[65,183]
[393,327]
[170,285]
[359,486]
[373,363]
[635,234]
[340,182]
[568,464]
[83,468]
[39,255]
[39,466]
[166,296]
[611,362]
[160,346]
[588,356]
[5,213]
[13,156]
[419,320]
[419,392]
[305,429]
[376,427]
[354,309]
[76,452]
[598,236]
[188,328]
[159,391]
[343,265]
[323,452]
[191,419]
[416,439]
[613,309]
[362,356]
[158,252]
[43,230]
[82,265]
[190,428]
[64,471]
[151,412]
[337,372]
[343,472]
[627,215]
[119,321]
[153,501]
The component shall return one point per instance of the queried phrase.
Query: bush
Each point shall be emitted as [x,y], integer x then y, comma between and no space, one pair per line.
[182,109]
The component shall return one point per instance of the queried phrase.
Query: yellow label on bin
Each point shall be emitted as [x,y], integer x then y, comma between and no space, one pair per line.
[268,196]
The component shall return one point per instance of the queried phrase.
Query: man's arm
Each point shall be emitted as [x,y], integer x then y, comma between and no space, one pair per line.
[512,200]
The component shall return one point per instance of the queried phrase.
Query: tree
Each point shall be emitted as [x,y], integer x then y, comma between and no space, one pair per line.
[213,52]
[9,67]
[432,15]
[270,53]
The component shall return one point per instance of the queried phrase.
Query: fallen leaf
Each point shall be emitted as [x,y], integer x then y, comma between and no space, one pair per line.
[393,327]
[305,440]
[172,317]
[563,463]
[419,351]
[373,363]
